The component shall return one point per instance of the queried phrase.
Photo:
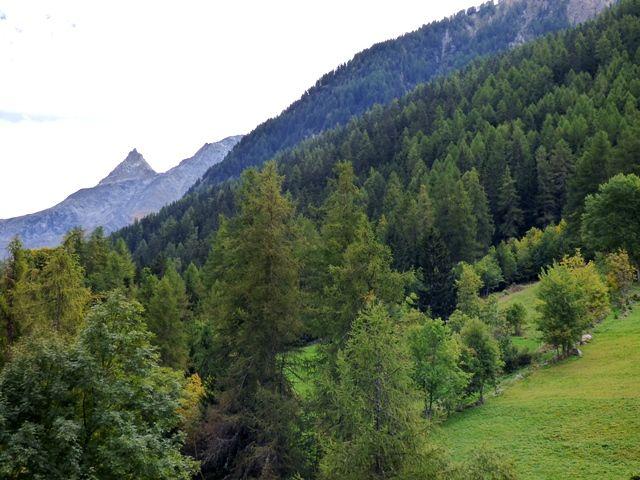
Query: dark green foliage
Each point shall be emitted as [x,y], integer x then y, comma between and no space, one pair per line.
[509,212]
[166,315]
[545,97]
[250,427]
[387,71]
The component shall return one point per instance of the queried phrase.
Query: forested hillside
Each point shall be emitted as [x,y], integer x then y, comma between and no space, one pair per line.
[317,317]
[390,69]
[509,143]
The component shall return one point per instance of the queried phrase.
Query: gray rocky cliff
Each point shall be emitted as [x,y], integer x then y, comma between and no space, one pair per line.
[132,190]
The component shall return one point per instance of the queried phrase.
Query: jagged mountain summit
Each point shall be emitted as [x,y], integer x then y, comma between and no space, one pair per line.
[134,167]
[132,190]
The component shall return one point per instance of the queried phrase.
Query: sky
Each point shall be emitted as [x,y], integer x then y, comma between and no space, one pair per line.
[82,82]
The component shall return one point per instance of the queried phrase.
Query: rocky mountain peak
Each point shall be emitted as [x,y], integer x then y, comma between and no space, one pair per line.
[133,167]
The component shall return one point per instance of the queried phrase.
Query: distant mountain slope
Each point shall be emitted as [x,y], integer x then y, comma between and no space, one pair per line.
[390,69]
[524,121]
[132,190]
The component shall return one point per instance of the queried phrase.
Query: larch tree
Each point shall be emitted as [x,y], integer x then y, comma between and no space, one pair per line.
[373,433]
[253,308]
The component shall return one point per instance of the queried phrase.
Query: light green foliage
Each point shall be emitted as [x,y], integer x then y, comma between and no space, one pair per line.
[99,407]
[468,287]
[481,356]
[611,219]
[436,355]
[516,316]
[488,464]
[12,287]
[619,275]
[489,271]
[373,433]
[584,408]
[62,292]
[572,296]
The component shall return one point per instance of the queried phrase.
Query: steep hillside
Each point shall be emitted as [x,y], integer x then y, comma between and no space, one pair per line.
[132,190]
[537,129]
[574,420]
[390,69]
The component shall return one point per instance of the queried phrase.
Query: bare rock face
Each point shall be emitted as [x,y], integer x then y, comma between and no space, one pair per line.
[132,190]
[579,11]
[134,167]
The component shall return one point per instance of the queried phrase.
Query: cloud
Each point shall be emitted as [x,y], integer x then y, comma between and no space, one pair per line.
[17,117]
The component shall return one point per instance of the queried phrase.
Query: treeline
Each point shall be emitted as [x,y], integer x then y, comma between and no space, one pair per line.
[510,143]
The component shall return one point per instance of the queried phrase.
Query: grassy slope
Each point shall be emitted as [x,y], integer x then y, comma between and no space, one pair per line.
[527,297]
[579,419]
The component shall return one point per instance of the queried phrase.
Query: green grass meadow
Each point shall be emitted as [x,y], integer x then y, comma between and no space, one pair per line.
[579,419]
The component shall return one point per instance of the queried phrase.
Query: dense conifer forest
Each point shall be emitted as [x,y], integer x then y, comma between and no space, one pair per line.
[319,315]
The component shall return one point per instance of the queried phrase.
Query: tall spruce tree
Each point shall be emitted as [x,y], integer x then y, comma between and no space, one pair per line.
[480,207]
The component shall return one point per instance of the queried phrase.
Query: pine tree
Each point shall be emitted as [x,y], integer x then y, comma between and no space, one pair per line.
[591,172]
[436,293]
[546,200]
[509,212]
[454,213]
[12,286]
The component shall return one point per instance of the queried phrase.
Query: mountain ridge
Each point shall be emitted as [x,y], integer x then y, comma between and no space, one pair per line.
[130,191]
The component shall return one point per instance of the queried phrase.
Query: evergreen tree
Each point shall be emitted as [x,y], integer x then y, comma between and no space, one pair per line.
[454,213]
[480,208]
[591,171]
[372,431]
[509,212]
[12,286]
[436,291]
[166,317]
[254,306]
[546,200]
[62,293]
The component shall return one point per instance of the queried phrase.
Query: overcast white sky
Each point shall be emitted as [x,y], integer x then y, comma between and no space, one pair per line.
[82,82]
